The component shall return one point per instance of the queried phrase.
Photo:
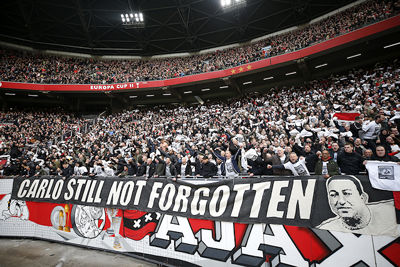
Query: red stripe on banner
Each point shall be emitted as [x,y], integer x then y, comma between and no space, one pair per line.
[334,42]
[133,214]
[240,230]
[345,116]
[391,252]
[197,224]
[135,234]
[2,195]
[140,233]
[40,212]
[309,245]
[396,196]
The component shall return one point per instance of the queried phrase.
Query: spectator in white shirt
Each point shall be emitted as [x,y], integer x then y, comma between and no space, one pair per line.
[296,165]
[371,131]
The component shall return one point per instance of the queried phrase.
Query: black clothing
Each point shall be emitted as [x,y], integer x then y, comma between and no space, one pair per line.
[258,167]
[67,172]
[143,168]
[275,160]
[188,169]
[350,163]
[385,158]
[311,159]
[355,128]
[208,169]
[132,168]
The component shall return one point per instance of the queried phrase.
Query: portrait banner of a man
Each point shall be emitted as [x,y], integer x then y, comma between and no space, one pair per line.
[357,208]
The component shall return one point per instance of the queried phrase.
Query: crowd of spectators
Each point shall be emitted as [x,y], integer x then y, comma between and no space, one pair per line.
[286,131]
[39,68]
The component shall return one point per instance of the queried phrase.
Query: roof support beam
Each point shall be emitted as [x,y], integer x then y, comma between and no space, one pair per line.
[27,18]
[85,25]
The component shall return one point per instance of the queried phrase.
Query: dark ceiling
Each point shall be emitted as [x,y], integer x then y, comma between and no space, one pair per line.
[171,26]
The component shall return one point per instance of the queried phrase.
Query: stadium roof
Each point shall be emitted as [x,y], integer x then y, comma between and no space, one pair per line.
[174,26]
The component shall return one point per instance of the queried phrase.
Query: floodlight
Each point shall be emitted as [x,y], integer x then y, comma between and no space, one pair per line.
[232,4]
[133,20]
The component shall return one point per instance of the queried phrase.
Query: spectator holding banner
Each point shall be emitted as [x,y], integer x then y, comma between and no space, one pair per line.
[295,165]
[381,155]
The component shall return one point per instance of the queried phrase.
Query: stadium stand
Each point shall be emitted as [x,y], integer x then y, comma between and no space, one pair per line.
[241,136]
[292,160]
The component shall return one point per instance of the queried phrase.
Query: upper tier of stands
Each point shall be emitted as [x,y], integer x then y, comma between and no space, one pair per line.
[19,66]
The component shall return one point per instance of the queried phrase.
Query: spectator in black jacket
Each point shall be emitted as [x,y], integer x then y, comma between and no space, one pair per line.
[335,151]
[141,168]
[150,168]
[207,169]
[350,162]
[356,127]
[358,146]
[310,157]
[67,170]
[27,171]
[121,163]
[184,168]
[257,166]
[381,155]
[15,152]
[132,167]
[295,147]
[170,170]
[147,169]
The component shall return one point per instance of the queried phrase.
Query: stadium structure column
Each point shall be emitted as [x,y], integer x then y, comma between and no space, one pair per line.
[231,82]
[176,93]
[304,69]
[4,105]
[78,104]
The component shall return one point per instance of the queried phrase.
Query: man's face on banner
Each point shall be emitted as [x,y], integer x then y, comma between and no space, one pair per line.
[344,198]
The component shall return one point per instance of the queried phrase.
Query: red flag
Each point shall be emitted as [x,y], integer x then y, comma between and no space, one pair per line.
[137,224]
[346,116]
